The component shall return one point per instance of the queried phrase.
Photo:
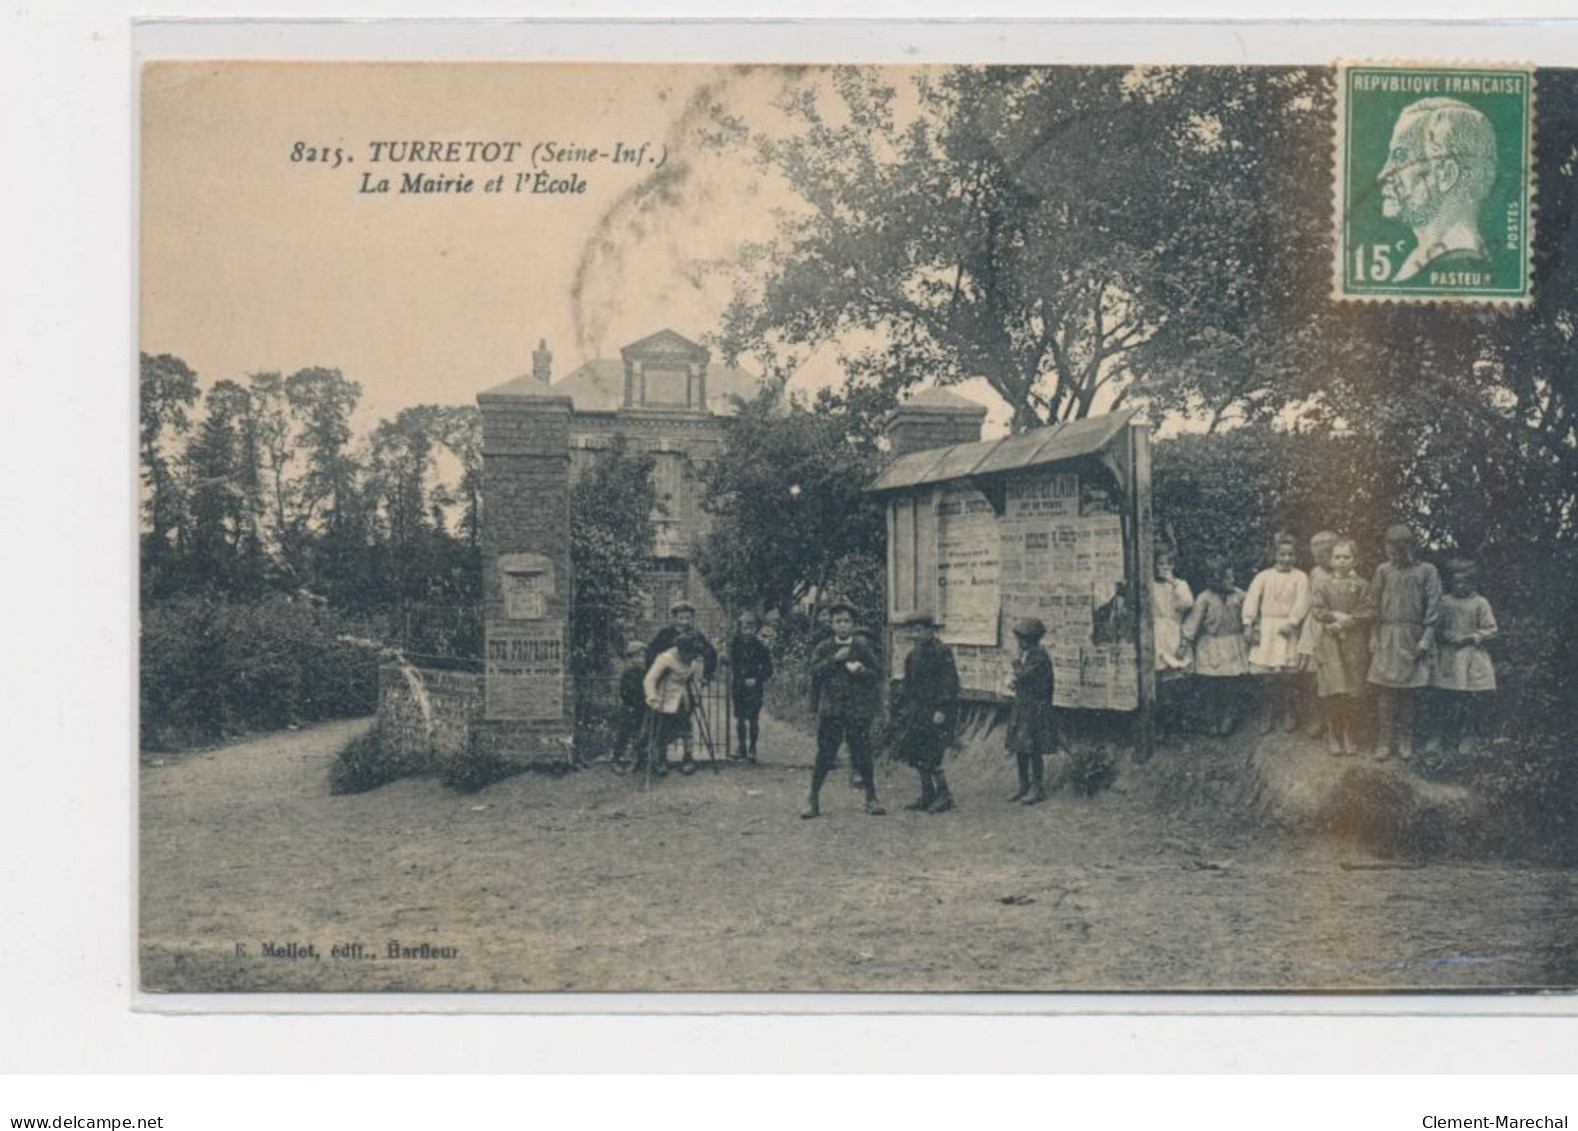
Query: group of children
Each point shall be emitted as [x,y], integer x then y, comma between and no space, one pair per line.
[1332,639]
[662,682]
[1322,644]
[844,681]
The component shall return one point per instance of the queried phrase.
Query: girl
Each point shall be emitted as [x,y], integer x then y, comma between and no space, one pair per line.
[1215,628]
[1309,635]
[1463,671]
[1171,602]
[1340,604]
[1277,603]
[1406,599]
[1031,727]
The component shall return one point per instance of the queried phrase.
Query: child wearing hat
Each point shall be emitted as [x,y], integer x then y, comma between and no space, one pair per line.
[1032,732]
[923,712]
[684,617]
[844,676]
[666,692]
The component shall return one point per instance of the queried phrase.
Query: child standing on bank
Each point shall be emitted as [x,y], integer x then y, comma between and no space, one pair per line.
[1340,604]
[1171,601]
[1215,630]
[1464,675]
[1406,596]
[1309,637]
[1274,609]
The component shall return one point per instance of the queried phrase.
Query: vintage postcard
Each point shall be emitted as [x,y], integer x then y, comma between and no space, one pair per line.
[862,528]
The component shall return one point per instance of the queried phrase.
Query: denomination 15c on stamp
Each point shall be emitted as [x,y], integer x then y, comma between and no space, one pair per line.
[1435,177]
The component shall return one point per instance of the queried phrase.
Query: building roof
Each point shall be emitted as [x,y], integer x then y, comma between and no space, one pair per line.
[942,400]
[1052,444]
[599,386]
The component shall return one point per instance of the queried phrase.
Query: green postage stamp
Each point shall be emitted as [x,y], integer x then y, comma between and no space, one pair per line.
[1435,180]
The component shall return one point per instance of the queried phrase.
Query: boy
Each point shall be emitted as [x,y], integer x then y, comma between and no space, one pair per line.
[1032,727]
[684,615]
[923,713]
[667,694]
[632,702]
[750,667]
[844,675]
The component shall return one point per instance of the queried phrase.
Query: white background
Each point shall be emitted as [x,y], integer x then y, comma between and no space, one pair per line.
[67,759]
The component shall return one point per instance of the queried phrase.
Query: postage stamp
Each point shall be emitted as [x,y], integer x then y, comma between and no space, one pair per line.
[1435,182]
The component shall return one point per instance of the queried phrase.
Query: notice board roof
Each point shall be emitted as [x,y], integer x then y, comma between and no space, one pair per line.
[1052,444]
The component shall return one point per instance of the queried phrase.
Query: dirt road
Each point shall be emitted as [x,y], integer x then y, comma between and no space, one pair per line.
[589,882]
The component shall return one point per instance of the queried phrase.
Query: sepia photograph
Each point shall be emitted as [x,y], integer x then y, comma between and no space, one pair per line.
[932,529]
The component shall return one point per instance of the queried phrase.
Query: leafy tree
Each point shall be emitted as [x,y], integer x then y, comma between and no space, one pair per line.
[223,547]
[274,433]
[167,389]
[1060,232]
[611,538]
[323,400]
[332,517]
[787,500]
[460,432]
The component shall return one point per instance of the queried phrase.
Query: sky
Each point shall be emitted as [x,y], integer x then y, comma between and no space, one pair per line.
[252,261]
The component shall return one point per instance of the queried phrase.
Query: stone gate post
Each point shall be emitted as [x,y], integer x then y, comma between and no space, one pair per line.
[528,692]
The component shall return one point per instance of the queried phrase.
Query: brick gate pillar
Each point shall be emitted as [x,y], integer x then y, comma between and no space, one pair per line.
[528,706]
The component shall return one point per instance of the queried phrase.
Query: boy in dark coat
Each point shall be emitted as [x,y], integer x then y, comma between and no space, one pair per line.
[844,675]
[923,708]
[1032,729]
[750,667]
[632,702]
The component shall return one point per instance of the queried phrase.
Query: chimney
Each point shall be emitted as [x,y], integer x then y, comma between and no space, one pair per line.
[933,419]
[542,363]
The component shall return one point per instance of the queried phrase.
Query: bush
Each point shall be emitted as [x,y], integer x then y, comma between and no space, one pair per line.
[213,667]
[361,765]
[788,693]
[1529,773]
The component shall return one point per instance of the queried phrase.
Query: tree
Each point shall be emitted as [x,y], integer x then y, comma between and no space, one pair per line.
[167,389]
[787,500]
[327,493]
[222,544]
[611,538]
[323,400]
[1060,232]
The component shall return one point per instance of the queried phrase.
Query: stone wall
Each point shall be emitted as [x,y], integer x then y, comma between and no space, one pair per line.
[420,735]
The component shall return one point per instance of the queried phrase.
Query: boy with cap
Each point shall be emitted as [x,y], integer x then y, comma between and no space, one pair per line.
[923,712]
[666,692]
[684,618]
[844,676]
[684,614]
[1031,727]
